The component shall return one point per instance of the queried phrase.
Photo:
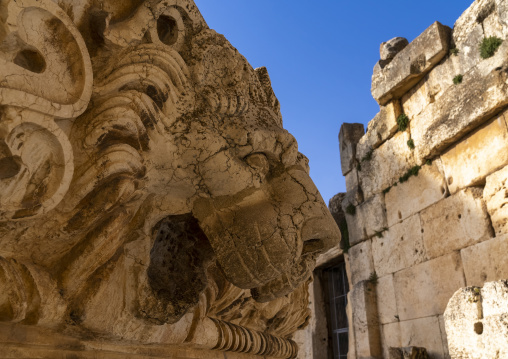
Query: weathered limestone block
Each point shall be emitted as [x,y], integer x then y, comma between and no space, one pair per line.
[368,219]
[455,222]
[440,78]
[349,135]
[444,339]
[424,290]
[391,337]
[496,200]
[481,12]
[463,107]
[411,64]
[408,352]
[387,309]
[417,193]
[423,333]
[365,321]
[476,322]
[352,181]
[486,261]
[478,155]
[390,161]
[390,48]
[380,128]
[401,246]
[360,260]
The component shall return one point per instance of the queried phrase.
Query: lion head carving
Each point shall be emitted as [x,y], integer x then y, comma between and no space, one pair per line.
[185,188]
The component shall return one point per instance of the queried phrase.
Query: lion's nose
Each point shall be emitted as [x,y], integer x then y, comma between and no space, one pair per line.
[319,235]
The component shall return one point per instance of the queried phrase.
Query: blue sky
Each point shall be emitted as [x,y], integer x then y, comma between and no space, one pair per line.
[320,57]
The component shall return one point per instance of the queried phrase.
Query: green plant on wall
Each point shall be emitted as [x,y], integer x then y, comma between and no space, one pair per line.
[457,79]
[489,45]
[403,122]
[373,278]
[454,51]
[411,144]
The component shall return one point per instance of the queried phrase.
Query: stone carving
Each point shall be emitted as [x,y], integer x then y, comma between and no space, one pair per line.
[476,321]
[161,182]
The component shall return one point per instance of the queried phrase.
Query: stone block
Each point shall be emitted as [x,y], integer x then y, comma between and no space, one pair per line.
[391,337]
[455,222]
[390,161]
[418,193]
[473,16]
[365,321]
[352,181]
[400,247]
[424,333]
[360,261]
[392,47]
[424,290]
[492,26]
[411,64]
[478,155]
[380,128]
[349,135]
[476,322]
[463,107]
[369,218]
[496,199]
[486,261]
[444,339]
[387,309]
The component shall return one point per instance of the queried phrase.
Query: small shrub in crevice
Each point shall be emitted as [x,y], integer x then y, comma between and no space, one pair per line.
[387,189]
[428,162]
[358,167]
[413,171]
[411,144]
[454,51]
[402,122]
[489,45]
[457,79]
[373,278]
[351,209]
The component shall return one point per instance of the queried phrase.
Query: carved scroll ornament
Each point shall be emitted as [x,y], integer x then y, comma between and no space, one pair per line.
[161,183]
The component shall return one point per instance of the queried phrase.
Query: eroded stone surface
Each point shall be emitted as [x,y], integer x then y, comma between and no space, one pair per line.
[401,246]
[349,135]
[495,196]
[423,290]
[455,222]
[461,108]
[366,219]
[386,164]
[416,194]
[485,262]
[410,64]
[471,160]
[148,192]
[476,322]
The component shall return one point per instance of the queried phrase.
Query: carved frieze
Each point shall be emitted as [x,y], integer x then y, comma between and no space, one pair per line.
[148,192]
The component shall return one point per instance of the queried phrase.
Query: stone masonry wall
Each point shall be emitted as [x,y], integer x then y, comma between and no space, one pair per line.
[426,205]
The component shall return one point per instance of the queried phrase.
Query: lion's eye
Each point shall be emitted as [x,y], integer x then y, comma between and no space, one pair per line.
[258,162]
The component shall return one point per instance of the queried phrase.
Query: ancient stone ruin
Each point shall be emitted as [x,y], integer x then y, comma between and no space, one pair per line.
[425,218]
[151,203]
[153,206]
